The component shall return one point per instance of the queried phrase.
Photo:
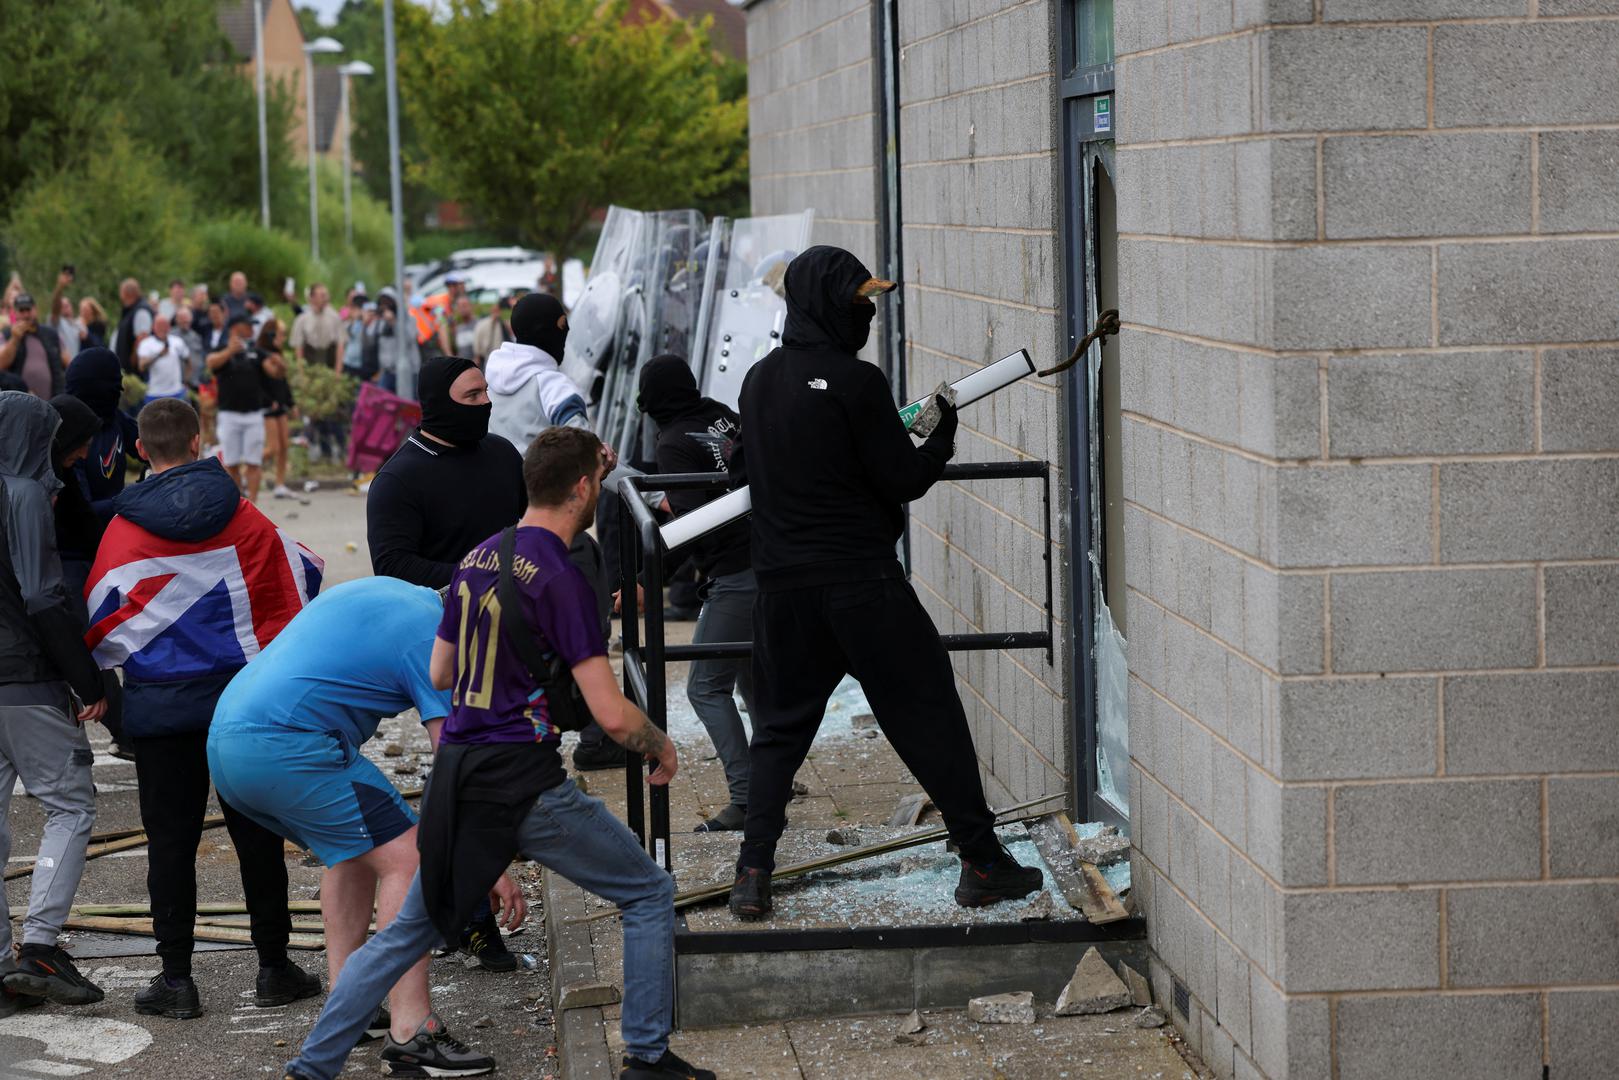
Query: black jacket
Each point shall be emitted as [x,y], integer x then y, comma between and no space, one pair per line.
[78,527]
[124,337]
[695,435]
[828,461]
[53,355]
[40,638]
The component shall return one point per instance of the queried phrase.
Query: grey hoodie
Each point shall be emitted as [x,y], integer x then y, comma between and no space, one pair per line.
[39,634]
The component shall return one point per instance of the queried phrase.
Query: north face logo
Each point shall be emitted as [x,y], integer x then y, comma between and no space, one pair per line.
[817,384]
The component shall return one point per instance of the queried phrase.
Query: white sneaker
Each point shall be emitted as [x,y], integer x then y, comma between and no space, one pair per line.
[282,492]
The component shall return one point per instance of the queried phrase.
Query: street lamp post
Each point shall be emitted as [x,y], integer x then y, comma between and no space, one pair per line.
[323,45]
[391,67]
[348,71]
[264,137]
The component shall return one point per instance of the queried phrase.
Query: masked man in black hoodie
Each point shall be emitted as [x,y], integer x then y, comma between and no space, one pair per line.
[831,468]
[697,434]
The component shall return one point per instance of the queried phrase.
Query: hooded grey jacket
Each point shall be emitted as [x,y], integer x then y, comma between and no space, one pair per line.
[39,634]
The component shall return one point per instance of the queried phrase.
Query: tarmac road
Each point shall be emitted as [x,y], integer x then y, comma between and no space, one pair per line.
[506,1015]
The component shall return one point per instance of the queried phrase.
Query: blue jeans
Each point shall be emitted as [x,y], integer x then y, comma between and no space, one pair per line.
[575,836]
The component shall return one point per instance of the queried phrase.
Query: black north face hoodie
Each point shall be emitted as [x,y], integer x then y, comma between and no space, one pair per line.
[828,461]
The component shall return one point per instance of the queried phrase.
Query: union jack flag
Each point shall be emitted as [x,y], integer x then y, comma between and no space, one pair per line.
[171,609]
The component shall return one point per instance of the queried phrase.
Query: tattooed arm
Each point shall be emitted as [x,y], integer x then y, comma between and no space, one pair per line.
[623,722]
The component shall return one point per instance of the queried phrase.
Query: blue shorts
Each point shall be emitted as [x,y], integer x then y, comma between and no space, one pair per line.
[311,787]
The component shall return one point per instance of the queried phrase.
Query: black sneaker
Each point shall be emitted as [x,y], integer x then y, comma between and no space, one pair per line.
[606,754]
[668,1067]
[45,971]
[433,1051]
[482,941]
[284,985]
[379,1026]
[750,896]
[985,883]
[731,819]
[178,1000]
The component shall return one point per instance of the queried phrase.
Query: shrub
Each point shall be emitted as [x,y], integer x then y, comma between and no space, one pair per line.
[115,213]
[267,257]
[321,393]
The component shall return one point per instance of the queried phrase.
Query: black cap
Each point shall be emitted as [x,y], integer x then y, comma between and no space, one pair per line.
[239,318]
[22,300]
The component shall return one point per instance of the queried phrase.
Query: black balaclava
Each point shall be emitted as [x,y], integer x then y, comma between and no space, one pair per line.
[822,312]
[96,378]
[450,420]
[79,425]
[668,389]
[537,320]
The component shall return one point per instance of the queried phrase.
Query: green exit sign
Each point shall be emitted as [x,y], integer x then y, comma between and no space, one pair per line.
[1102,115]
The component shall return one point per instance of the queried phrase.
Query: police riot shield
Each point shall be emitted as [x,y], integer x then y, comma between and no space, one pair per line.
[748,308]
[594,322]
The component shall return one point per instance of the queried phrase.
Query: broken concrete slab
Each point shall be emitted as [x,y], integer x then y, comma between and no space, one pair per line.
[913,1023]
[1093,989]
[1140,987]
[910,809]
[1013,1008]
[1103,849]
[582,995]
[861,721]
[1151,1017]
[843,837]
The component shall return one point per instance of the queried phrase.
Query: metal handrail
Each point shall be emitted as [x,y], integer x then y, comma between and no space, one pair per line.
[642,552]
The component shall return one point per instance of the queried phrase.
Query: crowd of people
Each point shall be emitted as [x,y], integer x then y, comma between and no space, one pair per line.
[489,614]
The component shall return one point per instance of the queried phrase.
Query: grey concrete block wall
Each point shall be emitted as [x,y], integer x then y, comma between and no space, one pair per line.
[1372,455]
[1371,458]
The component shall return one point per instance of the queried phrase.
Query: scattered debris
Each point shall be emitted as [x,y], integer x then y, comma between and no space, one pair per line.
[1103,849]
[1140,988]
[1151,1017]
[862,721]
[351,547]
[1093,989]
[1013,1008]
[913,1024]
[869,733]
[483,1022]
[911,1039]
[393,749]
[800,789]
[407,768]
[843,836]
[910,809]
[584,994]
[1039,909]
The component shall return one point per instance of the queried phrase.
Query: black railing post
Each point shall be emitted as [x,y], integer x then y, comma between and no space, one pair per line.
[629,620]
[1045,501]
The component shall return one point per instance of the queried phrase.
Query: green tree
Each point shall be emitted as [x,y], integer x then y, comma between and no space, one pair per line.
[158,71]
[535,113]
[117,212]
[359,28]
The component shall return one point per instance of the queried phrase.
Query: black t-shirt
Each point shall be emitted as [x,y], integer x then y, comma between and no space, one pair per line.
[241,381]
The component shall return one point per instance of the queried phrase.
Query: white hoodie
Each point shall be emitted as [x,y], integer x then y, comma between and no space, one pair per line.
[529,394]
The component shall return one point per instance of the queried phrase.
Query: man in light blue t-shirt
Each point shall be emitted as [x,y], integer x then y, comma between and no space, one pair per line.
[284,748]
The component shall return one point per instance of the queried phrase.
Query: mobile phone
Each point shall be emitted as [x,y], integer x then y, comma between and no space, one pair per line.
[70,270]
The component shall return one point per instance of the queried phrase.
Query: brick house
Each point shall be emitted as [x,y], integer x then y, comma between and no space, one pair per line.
[284,64]
[1349,480]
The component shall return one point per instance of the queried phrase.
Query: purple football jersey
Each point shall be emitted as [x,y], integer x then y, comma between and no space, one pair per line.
[494,698]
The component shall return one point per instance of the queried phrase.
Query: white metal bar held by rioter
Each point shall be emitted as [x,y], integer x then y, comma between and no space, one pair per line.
[739,503]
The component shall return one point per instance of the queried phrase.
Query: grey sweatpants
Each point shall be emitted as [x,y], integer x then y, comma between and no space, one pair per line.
[43,745]
[710,686]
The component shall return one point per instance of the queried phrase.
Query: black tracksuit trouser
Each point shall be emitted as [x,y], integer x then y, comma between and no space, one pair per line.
[804,642]
[172,771]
